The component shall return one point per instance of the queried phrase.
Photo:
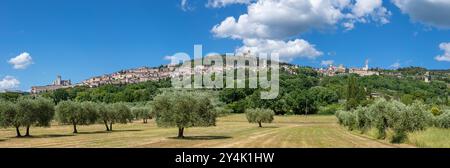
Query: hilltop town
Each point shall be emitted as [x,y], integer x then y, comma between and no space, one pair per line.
[143,74]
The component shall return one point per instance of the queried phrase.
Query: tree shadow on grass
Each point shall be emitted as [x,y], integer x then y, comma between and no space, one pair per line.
[44,136]
[106,132]
[269,127]
[201,137]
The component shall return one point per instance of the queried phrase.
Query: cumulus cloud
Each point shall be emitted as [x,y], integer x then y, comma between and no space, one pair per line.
[272,24]
[278,19]
[327,62]
[446,55]
[286,50]
[21,61]
[223,3]
[8,83]
[395,65]
[430,12]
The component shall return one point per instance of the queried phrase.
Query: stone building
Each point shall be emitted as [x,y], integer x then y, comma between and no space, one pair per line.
[57,84]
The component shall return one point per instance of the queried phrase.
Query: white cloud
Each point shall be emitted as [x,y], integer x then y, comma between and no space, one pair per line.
[185,6]
[223,3]
[278,19]
[270,25]
[396,65]
[21,61]
[430,12]
[446,55]
[286,50]
[327,62]
[8,83]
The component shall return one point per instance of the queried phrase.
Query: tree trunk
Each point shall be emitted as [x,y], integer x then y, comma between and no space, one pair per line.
[143,120]
[110,126]
[260,125]
[181,132]
[106,125]
[18,132]
[27,134]
[75,128]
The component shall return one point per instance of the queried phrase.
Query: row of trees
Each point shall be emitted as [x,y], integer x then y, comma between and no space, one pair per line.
[26,113]
[181,109]
[86,113]
[40,112]
[140,92]
[392,115]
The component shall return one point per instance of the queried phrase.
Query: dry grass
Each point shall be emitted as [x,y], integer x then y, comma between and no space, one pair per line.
[231,131]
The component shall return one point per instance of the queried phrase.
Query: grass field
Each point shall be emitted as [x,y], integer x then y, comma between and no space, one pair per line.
[231,131]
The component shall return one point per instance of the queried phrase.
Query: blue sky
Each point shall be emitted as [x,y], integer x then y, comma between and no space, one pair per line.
[84,38]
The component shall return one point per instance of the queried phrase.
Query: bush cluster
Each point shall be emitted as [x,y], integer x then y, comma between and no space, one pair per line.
[443,120]
[387,115]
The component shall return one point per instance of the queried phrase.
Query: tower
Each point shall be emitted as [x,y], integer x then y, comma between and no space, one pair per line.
[58,80]
[366,67]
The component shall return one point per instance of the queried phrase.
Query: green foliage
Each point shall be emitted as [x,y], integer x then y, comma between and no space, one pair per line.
[119,113]
[347,119]
[259,116]
[184,109]
[355,93]
[383,115]
[26,112]
[104,114]
[9,114]
[38,112]
[302,102]
[323,95]
[330,109]
[44,112]
[407,99]
[436,111]
[139,92]
[443,120]
[144,113]
[10,96]
[362,119]
[69,112]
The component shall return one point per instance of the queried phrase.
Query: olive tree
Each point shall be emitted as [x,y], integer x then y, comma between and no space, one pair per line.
[144,113]
[118,113]
[183,109]
[104,115]
[74,113]
[10,116]
[259,116]
[35,112]
[384,115]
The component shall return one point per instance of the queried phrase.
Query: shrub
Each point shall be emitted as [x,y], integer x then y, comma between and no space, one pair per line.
[330,109]
[436,111]
[348,119]
[362,119]
[443,121]
[381,114]
[259,116]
